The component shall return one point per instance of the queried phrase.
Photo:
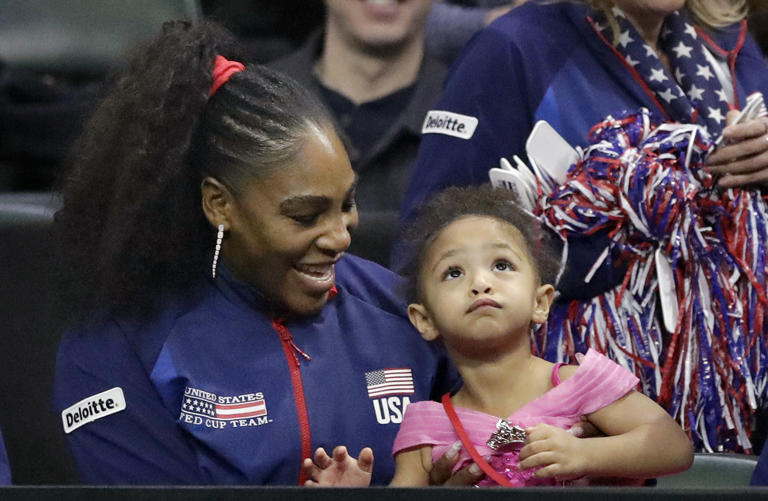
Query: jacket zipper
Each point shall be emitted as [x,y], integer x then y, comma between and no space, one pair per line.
[291,349]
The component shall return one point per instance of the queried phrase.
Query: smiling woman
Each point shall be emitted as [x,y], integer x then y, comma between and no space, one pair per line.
[220,333]
[290,228]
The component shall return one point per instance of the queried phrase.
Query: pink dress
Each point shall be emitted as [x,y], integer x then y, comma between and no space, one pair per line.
[597,383]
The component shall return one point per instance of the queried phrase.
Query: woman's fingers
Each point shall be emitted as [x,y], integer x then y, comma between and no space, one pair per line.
[441,473]
[340,454]
[441,469]
[322,460]
[468,475]
[743,160]
[365,460]
[738,132]
[727,155]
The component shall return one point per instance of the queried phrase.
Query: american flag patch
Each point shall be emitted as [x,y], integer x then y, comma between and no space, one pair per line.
[389,382]
[206,408]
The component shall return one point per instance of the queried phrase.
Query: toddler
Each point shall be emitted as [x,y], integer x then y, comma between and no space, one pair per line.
[480,281]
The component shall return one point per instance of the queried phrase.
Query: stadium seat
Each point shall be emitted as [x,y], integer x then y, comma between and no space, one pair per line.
[29,333]
[374,235]
[713,470]
[81,36]
[54,56]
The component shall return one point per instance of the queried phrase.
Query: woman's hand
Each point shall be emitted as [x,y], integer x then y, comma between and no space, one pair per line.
[556,452]
[742,158]
[340,471]
[440,474]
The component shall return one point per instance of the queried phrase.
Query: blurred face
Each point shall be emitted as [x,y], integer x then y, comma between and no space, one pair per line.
[640,9]
[377,24]
[647,16]
[288,229]
[479,286]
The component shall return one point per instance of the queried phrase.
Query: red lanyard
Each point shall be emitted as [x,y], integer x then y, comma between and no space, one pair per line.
[481,462]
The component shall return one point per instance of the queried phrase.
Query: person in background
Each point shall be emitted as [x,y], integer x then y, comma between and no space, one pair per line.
[369,67]
[572,63]
[221,330]
[451,24]
[514,74]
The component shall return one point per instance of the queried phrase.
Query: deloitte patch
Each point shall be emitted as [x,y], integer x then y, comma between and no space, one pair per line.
[93,408]
[450,124]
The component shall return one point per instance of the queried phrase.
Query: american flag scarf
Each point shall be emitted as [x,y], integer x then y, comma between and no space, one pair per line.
[691,93]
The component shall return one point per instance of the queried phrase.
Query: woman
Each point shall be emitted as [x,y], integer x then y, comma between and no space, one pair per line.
[566,63]
[574,63]
[223,334]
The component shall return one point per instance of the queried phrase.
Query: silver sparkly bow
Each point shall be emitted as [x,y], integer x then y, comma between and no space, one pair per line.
[506,434]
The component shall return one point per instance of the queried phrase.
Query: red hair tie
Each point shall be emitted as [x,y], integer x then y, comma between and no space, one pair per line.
[223,68]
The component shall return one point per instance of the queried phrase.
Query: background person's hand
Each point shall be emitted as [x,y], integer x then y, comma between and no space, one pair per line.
[742,158]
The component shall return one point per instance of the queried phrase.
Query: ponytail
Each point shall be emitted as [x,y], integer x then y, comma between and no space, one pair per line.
[132,228]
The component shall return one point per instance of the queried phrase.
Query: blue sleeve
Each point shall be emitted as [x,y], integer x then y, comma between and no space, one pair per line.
[141,444]
[379,286]
[486,83]
[760,475]
[751,70]
[5,467]
[372,283]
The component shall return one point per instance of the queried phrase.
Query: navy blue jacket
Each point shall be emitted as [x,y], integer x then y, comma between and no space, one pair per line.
[760,475]
[219,392]
[5,468]
[544,62]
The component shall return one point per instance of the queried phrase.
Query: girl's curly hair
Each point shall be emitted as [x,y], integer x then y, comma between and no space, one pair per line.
[457,202]
[132,228]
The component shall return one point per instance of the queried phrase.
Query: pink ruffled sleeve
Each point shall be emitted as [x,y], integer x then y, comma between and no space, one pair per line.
[422,425]
[599,382]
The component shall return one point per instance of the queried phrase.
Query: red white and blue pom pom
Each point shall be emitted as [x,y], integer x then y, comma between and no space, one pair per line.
[693,253]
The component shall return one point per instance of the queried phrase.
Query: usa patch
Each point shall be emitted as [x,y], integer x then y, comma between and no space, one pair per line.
[389,382]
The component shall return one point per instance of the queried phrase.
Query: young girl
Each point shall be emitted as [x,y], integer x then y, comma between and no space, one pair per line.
[481,279]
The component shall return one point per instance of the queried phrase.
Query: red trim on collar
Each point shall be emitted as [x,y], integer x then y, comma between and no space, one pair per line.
[332,293]
[715,47]
[631,70]
[730,55]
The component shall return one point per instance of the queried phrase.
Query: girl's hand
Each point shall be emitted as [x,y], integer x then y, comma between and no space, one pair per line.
[742,159]
[556,452]
[340,471]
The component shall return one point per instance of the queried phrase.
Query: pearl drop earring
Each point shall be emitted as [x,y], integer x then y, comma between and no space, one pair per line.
[219,237]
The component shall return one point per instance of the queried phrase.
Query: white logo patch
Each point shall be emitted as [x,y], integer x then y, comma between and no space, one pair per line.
[450,124]
[93,408]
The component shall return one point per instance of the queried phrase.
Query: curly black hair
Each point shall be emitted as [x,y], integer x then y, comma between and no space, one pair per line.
[132,228]
[457,202]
